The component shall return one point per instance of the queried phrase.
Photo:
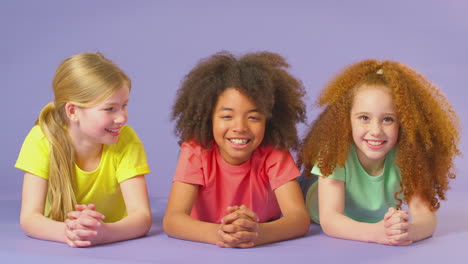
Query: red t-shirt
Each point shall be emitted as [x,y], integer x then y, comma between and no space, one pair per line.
[223,185]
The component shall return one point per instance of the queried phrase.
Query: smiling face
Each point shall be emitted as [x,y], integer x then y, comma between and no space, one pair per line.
[238,127]
[375,126]
[101,124]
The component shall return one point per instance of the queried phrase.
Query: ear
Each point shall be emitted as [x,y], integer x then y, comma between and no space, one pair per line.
[70,110]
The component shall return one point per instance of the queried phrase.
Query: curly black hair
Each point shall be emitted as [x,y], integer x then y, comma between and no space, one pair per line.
[261,76]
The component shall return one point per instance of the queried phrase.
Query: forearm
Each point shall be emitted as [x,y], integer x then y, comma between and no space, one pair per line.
[135,225]
[287,227]
[341,226]
[422,226]
[183,226]
[41,227]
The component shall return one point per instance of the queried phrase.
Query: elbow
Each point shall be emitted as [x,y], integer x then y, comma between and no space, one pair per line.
[25,223]
[301,224]
[147,222]
[304,223]
[144,220]
[166,225]
[327,226]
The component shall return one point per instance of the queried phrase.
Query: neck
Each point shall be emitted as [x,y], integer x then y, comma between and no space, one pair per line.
[87,154]
[372,167]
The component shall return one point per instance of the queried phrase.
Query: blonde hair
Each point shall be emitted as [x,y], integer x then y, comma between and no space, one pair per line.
[85,79]
[428,134]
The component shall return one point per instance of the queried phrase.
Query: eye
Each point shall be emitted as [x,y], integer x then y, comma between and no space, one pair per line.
[110,109]
[364,118]
[388,119]
[226,116]
[255,118]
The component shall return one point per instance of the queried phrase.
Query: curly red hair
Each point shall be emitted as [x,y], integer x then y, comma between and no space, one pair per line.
[428,134]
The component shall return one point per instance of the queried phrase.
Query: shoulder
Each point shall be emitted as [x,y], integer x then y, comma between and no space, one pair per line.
[270,152]
[36,136]
[196,149]
[269,155]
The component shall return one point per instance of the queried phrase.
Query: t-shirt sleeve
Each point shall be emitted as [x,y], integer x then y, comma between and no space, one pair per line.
[34,154]
[338,173]
[189,167]
[133,161]
[280,168]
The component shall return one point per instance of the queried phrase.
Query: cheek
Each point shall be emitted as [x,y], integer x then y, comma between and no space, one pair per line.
[260,131]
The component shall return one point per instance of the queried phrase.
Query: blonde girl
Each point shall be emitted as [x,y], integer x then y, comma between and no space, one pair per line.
[83,167]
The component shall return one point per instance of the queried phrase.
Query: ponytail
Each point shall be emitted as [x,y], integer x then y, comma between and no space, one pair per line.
[61,195]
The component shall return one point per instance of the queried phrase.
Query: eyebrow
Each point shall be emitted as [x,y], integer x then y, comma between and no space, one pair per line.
[368,113]
[115,103]
[224,108]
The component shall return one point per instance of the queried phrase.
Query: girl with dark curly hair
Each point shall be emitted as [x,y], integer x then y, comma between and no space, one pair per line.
[386,136]
[236,119]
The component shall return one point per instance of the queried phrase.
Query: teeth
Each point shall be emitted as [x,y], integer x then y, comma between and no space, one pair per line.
[375,143]
[112,130]
[239,141]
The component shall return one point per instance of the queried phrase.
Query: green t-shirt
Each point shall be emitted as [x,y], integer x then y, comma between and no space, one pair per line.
[367,198]
[119,162]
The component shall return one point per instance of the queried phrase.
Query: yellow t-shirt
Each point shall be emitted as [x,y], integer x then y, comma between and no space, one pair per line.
[119,162]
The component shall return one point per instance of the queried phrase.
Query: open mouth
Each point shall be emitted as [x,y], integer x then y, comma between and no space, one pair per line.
[239,141]
[375,142]
[114,131]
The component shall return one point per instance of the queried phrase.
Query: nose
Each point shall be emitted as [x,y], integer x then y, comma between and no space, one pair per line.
[375,128]
[240,125]
[121,117]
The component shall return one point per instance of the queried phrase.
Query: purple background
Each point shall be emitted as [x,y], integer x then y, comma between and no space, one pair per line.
[158,42]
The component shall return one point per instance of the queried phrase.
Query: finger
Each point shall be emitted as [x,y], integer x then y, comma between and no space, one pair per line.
[389,213]
[71,235]
[94,214]
[227,238]
[73,224]
[395,219]
[231,209]
[400,226]
[245,236]
[246,224]
[400,243]
[89,222]
[229,218]
[400,238]
[80,207]
[70,243]
[74,214]
[230,228]
[222,244]
[239,245]
[249,213]
[80,243]
[393,232]
[85,234]
[246,245]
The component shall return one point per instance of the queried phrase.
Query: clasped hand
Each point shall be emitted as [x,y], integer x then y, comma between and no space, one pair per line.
[396,225]
[83,226]
[239,228]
